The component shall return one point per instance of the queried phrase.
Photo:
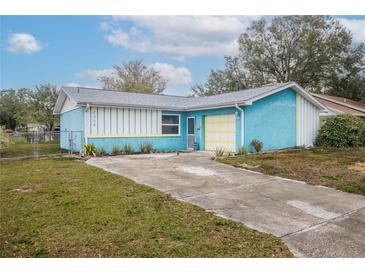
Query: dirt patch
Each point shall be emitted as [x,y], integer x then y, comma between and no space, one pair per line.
[360,166]
[23,189]
[247,166]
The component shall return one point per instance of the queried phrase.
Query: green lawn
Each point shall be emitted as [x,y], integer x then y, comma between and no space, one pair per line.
[343,169]
[26,149]
[65,208]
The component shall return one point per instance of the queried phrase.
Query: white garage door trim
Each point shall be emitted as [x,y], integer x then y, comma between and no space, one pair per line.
[220,131]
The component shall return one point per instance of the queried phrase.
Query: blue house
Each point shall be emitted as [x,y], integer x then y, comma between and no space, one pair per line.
[280,115]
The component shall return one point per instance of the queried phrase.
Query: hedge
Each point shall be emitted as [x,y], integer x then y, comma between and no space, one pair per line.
[342,131]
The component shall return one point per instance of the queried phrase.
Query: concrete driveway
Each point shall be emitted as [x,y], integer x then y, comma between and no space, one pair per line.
[313,221]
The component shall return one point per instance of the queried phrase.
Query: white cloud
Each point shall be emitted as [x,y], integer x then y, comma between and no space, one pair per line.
[72,84]
[173,76]
[24,43]
[357,27]
[95,74]
[179,36]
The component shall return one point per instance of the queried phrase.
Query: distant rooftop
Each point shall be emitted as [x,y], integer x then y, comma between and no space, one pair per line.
[341,105]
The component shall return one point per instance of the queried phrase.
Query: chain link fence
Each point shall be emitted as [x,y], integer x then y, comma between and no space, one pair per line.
[36,144]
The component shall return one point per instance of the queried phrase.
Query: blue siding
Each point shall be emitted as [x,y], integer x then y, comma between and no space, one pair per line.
[200,117]
[159,143]
[272,120]
[72,120]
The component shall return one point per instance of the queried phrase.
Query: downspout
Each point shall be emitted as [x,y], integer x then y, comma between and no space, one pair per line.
[242,118]
[86,134]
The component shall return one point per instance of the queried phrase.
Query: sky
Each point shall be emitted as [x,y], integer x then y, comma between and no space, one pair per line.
[77,50]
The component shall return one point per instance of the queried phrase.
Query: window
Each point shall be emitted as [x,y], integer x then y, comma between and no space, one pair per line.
[170,124]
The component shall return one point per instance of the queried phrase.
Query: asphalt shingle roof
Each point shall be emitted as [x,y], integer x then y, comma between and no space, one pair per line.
[116,98]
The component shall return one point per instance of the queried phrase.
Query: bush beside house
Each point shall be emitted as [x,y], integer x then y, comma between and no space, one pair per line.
[342,131]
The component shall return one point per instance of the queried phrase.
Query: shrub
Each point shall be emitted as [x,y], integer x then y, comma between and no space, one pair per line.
[219,152]
[257,145]
[145,147]
[142,147]
[100,151]
[90,149]
[342,131]
[127,149]
[149,147]
[115,149]
[242,150]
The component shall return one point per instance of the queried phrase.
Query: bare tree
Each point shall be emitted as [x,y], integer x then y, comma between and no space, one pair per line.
[134,76]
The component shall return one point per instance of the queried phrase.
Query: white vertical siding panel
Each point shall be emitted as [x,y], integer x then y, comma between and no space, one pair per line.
[87,122]
[304,123]
[132,119]
[159,117]
[125,121]
[94,121]
[120,121]
[138,121]
[313,127]
[306,128]
[301,123]
[143,121]
[300,118]
[113,121]
[107,121]
[100,115]
[149,120]
[308,116]
[316,127]
[308,122]
[154,122]
[300,126]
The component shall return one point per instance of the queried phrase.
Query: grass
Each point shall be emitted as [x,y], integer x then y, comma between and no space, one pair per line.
[343,169]
[18,149]
[65,208]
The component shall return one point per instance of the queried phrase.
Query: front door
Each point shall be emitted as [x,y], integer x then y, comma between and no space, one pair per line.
[191,132]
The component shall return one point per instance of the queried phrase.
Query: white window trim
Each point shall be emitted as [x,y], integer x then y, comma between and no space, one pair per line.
[179,124]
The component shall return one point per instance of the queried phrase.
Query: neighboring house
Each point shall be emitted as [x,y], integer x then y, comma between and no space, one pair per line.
[280,115]
[36,127]
[339,105]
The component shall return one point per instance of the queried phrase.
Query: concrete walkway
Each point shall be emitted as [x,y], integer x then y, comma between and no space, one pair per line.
[313,221]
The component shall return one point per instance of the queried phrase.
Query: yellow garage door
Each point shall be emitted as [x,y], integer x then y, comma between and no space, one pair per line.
[220,131]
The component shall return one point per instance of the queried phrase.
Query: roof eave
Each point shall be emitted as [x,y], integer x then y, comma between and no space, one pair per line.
[230,104]
[130,106]
[214,106]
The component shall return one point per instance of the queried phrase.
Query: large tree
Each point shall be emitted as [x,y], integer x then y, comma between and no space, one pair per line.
[43,100]
[15,108]
[221,81]
[315,51]
[134,76]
